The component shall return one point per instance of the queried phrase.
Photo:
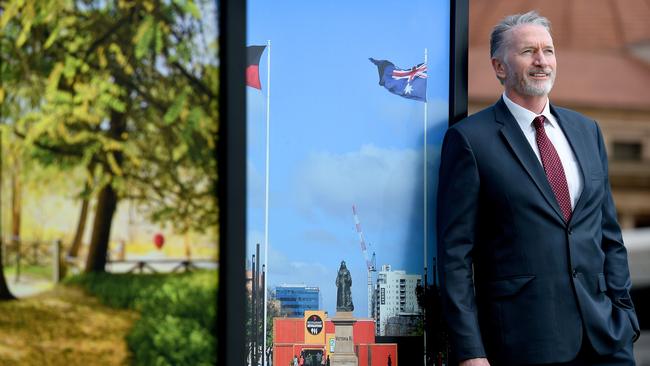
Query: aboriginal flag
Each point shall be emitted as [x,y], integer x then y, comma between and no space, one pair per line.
[253,66]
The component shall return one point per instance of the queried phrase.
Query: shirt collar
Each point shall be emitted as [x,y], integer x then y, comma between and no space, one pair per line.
[524,117]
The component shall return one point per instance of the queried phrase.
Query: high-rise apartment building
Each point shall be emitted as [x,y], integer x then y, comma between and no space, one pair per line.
[395,302]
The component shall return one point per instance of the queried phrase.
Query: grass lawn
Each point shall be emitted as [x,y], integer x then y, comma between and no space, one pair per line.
[63,326]
[30,271]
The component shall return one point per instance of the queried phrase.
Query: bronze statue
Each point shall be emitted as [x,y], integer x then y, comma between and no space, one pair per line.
[343,292]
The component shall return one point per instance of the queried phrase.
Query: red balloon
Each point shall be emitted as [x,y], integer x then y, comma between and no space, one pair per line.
[158,240]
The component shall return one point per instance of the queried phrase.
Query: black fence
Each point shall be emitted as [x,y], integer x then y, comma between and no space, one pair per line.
[30,253]
[22,257]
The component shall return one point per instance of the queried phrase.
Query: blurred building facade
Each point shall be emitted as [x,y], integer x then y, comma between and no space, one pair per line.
[296,299]
[603,56]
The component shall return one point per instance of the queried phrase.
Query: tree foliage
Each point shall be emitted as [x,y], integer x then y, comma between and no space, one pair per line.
[129,87]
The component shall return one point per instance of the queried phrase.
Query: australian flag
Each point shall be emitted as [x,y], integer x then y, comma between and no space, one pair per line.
[410,83]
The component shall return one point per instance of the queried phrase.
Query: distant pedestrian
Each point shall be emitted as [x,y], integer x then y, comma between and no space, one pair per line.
[328,360]
[295,360]
[390,362]
[302,360]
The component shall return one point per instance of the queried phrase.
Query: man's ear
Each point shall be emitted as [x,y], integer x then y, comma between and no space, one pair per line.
[499,68]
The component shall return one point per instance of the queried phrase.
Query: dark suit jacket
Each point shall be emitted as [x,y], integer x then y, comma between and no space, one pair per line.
[519,284]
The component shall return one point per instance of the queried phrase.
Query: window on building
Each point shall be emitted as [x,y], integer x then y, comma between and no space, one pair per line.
[627,151]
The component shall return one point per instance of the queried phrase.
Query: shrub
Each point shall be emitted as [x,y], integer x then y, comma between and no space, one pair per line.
[178,314]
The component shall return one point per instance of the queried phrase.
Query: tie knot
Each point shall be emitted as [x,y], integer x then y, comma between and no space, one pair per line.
[538,122]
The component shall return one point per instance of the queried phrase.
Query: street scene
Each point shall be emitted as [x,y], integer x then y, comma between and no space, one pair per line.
[344,133]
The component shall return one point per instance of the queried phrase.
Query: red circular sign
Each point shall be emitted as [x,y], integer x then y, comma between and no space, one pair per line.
[158,240]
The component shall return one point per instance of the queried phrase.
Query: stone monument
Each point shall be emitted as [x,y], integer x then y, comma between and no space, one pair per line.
[344,321]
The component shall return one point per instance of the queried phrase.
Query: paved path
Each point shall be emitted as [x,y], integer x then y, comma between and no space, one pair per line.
[28,287]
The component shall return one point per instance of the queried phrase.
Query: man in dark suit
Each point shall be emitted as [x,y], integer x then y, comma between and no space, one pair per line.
[532,264]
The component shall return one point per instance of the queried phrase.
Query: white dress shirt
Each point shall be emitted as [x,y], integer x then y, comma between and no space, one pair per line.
[524,118]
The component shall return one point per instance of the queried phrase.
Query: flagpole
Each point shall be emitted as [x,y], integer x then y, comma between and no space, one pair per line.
[425,205]
[266,191]
[425,172]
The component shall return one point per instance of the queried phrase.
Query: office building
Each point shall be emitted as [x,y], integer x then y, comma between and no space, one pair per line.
[296,299]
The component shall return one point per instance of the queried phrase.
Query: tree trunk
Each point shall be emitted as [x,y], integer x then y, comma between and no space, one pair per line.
[16,206]
[106,205]
[5,293]
[73,251]
[81,227]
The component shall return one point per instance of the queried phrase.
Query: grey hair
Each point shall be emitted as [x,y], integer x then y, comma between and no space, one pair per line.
[498,39]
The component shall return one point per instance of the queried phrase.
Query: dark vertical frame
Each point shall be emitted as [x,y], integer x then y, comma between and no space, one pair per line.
[458,48]
[458,62]
[231,190]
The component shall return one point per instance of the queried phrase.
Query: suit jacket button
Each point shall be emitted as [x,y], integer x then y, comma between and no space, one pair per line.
[575,273]
[570,231]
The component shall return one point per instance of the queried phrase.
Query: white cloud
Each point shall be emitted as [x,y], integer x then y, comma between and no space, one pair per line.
[382,183]
[320,237]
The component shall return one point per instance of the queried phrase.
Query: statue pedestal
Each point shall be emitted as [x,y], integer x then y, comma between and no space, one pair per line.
[344,347]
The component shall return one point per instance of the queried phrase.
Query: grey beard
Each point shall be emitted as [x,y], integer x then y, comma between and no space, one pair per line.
[525,87]
[536,91]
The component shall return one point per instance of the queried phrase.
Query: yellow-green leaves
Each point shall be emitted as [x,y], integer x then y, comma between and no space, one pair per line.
[176,108]
[112,162]
[144,36]
[149,38]
[26,28]
[9,12]
[121,58]
[61,29]
[53,79]
[189,7]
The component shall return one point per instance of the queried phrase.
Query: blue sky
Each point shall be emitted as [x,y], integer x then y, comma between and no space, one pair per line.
[338,138]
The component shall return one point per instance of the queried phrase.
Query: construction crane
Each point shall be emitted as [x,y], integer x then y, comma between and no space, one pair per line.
[370,263]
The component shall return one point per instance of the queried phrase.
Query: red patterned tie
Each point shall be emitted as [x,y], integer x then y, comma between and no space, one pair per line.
[553,167]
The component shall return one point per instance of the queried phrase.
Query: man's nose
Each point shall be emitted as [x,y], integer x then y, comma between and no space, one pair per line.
[540,59]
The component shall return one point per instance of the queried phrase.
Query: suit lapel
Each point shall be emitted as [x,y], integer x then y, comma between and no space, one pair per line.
[577,143]
[515,138]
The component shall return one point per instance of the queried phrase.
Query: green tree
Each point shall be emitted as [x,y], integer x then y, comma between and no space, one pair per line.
[129,87]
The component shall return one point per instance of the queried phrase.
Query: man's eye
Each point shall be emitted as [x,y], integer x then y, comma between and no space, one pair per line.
[527,51]
[550,52]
